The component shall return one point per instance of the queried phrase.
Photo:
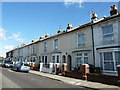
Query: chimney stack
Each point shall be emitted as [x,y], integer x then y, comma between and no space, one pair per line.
[47,35]
[94,17]
[114,10]
[41,38]
[60,31]
[33,40]
[69,27]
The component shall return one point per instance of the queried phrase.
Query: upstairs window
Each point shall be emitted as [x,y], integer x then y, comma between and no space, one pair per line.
[107,33]
[33,49]
[81,41]
[45,46]
[56,44]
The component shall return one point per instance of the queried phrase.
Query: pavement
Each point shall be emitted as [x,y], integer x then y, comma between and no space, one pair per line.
[79,82]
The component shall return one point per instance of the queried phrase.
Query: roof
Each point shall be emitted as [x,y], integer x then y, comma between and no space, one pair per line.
[72,30]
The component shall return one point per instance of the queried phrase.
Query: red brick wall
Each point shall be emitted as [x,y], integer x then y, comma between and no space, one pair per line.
[73,74]
[102,78]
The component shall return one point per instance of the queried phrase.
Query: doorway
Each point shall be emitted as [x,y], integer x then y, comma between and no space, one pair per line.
[69,62]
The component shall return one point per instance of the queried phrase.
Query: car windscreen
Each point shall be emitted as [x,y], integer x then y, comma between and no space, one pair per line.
[25,64]
[19,64]
[9,62]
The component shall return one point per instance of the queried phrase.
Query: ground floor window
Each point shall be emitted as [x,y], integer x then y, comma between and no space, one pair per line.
[56,58]
[33,59]
[53,59]
[27,58]
[46,60]
[82,58]
[110,60]
[40,59]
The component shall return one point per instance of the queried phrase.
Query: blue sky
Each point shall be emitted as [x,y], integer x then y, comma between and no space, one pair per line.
[23,21]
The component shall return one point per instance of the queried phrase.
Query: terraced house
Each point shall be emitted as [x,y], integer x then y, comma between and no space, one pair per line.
[95,43]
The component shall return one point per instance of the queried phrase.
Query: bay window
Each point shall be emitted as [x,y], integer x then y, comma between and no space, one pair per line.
[110,60]
[117,58]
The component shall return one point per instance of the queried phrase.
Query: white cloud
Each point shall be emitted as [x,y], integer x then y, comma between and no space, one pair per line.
[16,36]
[8,47]
[2,34]
[4,49]
[6,42]
[67,3]
[20,40]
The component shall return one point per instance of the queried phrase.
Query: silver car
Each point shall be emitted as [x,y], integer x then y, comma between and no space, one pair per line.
[9,64]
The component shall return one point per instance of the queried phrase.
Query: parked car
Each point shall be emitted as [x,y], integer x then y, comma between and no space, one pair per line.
[1,62]
[9,64]
[21,67]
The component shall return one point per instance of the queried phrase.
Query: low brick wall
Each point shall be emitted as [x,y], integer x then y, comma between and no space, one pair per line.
[74,74]
[102,78]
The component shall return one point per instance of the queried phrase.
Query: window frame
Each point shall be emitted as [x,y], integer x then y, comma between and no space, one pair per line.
[45,46]
[114,61]
[79,43]
[82,56]
[107,34]
[56,44]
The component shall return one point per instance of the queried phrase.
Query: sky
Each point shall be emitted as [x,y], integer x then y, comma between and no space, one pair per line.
[23,21]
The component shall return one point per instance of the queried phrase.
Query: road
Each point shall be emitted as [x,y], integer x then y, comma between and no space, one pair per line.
[13,79]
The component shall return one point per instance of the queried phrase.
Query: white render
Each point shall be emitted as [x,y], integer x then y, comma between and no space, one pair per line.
[98,41]
[42,52]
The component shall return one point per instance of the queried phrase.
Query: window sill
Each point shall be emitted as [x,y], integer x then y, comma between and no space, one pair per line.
[80,46]
[106,71]
[108,42]
[111,73]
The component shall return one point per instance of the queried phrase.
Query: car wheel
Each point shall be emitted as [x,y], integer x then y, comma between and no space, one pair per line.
[17,69]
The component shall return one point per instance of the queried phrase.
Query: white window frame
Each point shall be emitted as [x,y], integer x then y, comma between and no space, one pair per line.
[45,46]
[82,56]
[55,55]
[78,43]
[114,61]
[33,49]
[108,34]
[54,47]
[43,59]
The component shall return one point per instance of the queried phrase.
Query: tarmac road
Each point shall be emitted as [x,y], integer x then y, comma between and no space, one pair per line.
[13,79]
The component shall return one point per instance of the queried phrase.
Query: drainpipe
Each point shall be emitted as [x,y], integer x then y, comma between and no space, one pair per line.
[93,46]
